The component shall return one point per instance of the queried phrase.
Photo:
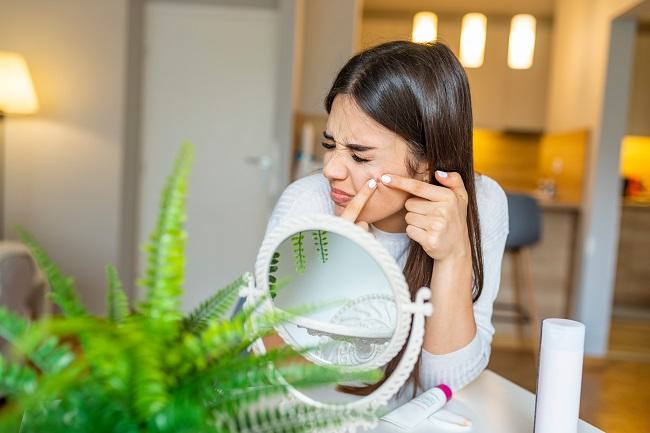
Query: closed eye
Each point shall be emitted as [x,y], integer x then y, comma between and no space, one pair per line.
[330,146]
[358,159]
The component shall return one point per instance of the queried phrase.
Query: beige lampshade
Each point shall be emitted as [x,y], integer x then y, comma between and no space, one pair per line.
[17,94]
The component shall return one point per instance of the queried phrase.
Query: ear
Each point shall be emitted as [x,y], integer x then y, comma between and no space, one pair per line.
[422,172]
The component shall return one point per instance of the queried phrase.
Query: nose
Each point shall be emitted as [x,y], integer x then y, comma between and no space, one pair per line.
[334,167]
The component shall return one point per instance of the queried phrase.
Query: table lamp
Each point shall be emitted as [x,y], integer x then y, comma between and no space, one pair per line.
[17,96]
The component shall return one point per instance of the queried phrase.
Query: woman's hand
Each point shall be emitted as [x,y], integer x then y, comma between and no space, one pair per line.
[355,206]
[436,217]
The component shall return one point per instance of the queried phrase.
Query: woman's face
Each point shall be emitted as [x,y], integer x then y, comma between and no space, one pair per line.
[359,149]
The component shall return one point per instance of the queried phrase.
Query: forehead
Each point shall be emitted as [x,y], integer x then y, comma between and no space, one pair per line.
[349,124]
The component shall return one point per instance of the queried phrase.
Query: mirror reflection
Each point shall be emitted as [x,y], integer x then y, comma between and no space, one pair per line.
[354,314]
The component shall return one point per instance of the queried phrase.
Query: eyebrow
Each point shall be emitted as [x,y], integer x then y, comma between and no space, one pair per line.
[352,146]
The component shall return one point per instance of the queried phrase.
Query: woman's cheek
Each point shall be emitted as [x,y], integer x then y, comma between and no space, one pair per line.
[383,203]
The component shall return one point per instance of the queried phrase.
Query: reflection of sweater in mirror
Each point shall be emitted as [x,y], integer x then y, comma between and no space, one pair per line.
[456,369]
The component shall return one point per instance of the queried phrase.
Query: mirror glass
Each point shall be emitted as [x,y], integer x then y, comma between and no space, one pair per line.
[354,311]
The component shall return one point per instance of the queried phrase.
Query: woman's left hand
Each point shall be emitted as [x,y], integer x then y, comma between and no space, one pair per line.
[436,217]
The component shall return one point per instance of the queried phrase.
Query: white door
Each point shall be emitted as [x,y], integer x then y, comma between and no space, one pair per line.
[210,77]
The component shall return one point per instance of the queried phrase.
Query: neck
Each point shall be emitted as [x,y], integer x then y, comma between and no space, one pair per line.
[394,223]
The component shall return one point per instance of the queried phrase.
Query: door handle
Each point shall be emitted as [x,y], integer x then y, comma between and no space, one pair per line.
[263,162]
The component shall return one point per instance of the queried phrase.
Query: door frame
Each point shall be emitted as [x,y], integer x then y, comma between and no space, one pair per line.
[595,276]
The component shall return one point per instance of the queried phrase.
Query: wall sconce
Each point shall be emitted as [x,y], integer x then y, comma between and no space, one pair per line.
[17,96]
[521,45]
[472,40]
[425,27]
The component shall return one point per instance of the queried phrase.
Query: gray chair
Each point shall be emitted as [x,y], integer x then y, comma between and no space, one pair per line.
[22,286]
[525,231]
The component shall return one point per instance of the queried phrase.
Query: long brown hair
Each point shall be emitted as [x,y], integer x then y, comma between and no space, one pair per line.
[421,93]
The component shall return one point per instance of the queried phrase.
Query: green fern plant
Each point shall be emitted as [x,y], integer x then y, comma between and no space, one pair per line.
[147,367]
[273,279]
[298,243]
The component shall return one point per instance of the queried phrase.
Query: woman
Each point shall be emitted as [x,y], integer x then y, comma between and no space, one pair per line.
[399,163]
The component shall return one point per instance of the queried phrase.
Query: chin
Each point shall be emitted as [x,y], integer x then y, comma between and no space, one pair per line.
[371,217]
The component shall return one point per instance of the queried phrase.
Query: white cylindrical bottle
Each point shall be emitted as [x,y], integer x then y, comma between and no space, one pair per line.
[560,376]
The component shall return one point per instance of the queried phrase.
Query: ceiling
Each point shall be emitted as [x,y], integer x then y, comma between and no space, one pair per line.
[488,7]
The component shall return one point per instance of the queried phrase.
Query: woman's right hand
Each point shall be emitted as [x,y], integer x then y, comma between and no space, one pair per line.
[355,206]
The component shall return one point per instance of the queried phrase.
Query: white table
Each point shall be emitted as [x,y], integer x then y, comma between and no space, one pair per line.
[494,404]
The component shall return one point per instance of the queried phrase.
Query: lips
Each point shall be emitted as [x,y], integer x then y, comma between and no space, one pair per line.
[339,197]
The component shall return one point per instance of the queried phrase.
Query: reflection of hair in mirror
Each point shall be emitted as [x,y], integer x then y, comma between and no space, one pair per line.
[421,93]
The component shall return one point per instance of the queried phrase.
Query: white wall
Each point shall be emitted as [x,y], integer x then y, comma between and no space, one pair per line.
[639,121]
[63,164]
[331,36]
[579,50]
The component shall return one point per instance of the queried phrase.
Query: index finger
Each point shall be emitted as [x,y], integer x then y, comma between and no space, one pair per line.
[416,187]
[354,208]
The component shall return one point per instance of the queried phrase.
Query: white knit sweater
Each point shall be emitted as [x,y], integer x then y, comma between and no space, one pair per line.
[311,194]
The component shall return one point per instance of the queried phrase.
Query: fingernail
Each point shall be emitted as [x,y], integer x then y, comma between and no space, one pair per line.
[385,178]
[372,184]
[442,174]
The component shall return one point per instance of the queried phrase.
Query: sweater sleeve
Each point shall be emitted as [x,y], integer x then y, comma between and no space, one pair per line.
[458,368]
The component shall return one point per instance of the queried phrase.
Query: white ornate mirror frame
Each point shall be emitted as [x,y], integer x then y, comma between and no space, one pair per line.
[419,309]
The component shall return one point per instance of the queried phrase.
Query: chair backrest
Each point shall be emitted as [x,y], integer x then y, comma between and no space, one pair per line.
[21,283]
[525,221]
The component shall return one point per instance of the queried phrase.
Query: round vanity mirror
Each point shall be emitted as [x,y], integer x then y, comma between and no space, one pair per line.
[354,307]
[348,301]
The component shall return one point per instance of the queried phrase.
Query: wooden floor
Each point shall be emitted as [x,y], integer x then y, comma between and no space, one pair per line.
[615,391]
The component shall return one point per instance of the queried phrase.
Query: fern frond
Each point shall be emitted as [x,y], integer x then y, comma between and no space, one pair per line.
[182,415]
[320,242]
[12,326]
[296,418]
[164,273]
[298,242]
[45,352]
[148,380]
[15,379]
[228,338]
[63,292]
[248,361]
[51,356]
[84,409]
[215,307]
[253,385]
[117,302]
[273,280]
